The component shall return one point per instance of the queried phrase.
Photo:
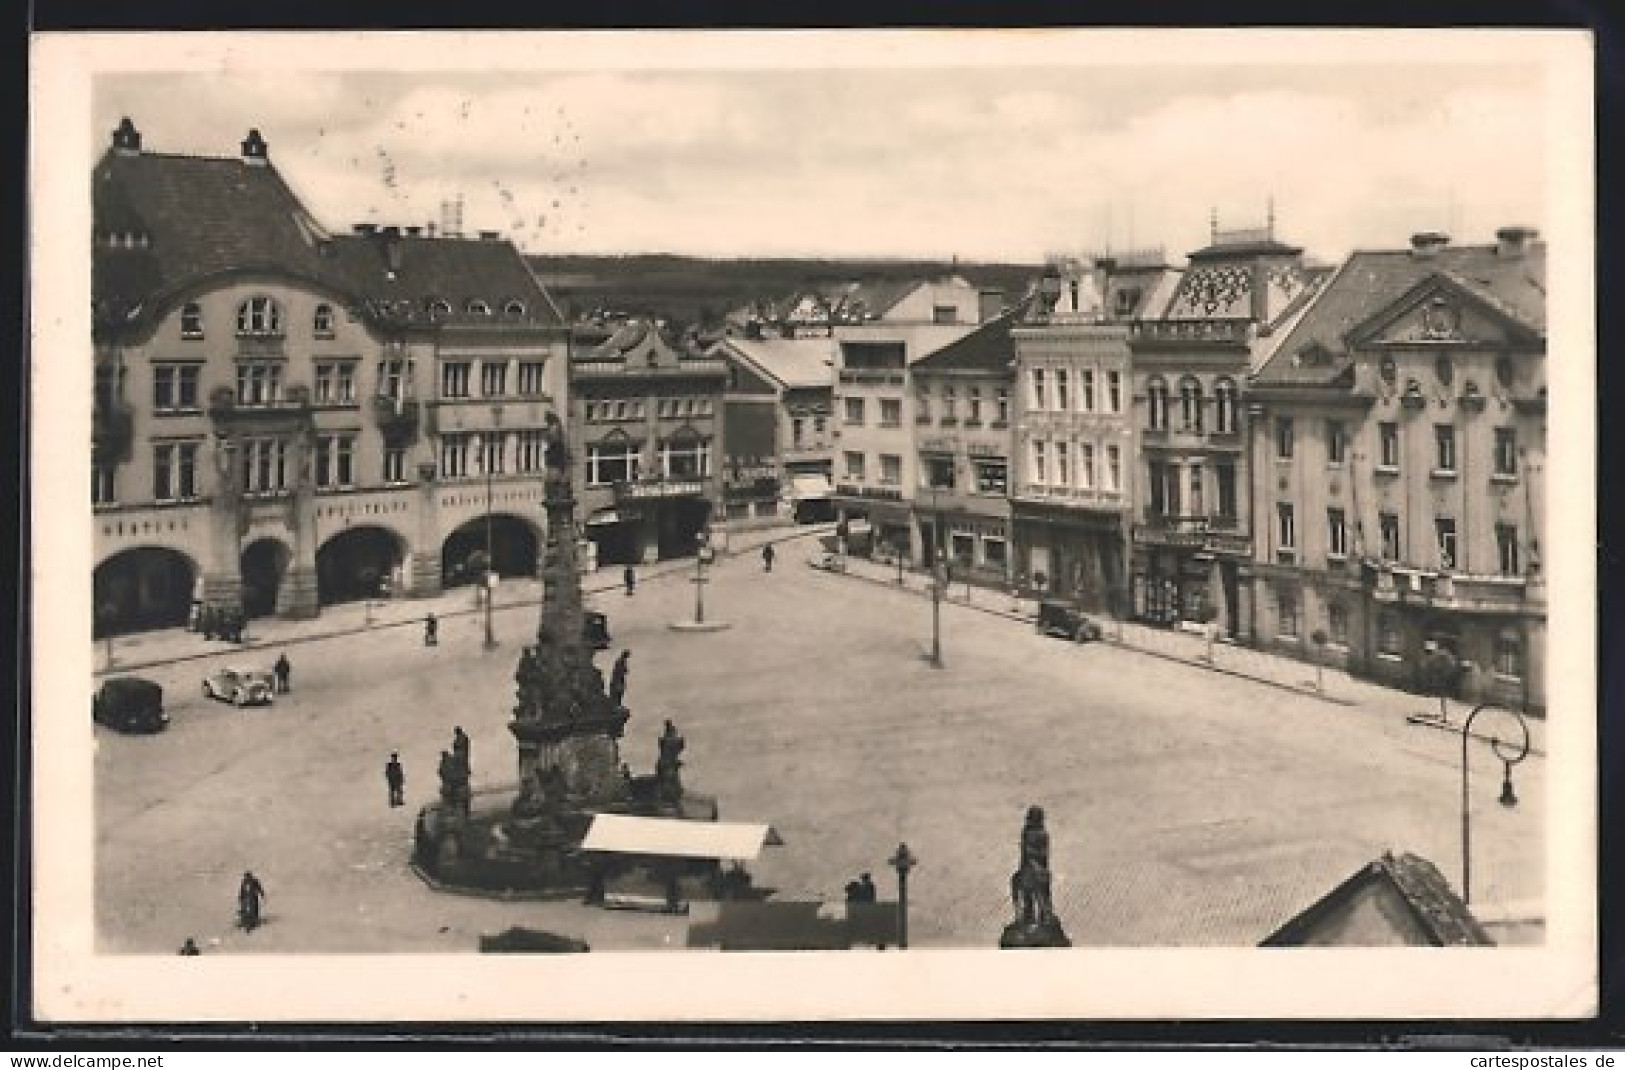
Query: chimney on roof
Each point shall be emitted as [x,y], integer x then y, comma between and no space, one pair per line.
[1513,242]
[255,151]
[1425,243]
[127,139]
[390,237]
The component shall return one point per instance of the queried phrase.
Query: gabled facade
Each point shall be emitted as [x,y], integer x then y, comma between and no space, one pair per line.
[780,427]
[1402,440]
[275,425]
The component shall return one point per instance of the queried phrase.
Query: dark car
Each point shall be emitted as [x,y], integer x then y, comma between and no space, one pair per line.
[595,629]
[130,704]
[1066,622]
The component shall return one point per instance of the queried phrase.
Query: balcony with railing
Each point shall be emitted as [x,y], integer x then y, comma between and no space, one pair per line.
[1186,332]
[399,419]
[228,413]
[1403,585]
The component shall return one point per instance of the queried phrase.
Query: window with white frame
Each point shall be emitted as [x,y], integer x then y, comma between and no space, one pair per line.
[1086,389]
[854,465]
[1509,654]
[493,378]
[1063,390]
[1224,406]
[1003,406]
[531,453]
[454,454]
[1444,441]
[1040,465]
[686,458]
[1444,530]
[1157,483]
[613,462]
[531,382]
[265,465]
[321,321]
[394,464]
[992,476]
[174,387]
[1337,533]
[174,471]
[1190,404]
[191,320]
[1284,438]
[1286,530]
[1506,451]
[1506,548]
[853,408]
[891,412]
[973,413]
[891,470]
[335,461]
[1038,395]
[477,307]
[1156,403]
[1063,464]
[1114,391]
[1388,446]
[393,378]
[1114,469]
[103,484]
[1388,531]
[1196,490]
[259,382]
[1336,442]
[454,376]
[493,453]
[335,382]
[259,316]
[1225,475]
[950,403]
[1086,465]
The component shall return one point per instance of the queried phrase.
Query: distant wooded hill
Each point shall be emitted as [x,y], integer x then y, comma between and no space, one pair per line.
[693,290]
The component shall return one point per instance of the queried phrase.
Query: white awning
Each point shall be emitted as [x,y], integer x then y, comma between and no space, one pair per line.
[810,488]
[604,516]
[619,834]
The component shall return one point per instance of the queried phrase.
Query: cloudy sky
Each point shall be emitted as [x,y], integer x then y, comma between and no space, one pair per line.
[915,151]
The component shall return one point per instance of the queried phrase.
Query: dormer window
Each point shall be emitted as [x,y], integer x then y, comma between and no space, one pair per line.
[191,320]
[477,307]
[514,310]
[259,316]
[439,309]
[322,321]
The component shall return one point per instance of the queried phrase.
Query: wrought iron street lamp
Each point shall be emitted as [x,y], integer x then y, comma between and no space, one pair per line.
[493,454]
[1509,798]
[902,862]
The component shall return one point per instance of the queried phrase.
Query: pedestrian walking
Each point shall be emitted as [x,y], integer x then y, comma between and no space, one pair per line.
[617,677]
[250,894]
[395,777]
[284,673]
[767,558]
[431,631]
[629,576]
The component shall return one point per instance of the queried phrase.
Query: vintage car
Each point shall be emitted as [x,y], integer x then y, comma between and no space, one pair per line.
[827,562]
[1065,621]
[595,629]
[240,687]
[130,704]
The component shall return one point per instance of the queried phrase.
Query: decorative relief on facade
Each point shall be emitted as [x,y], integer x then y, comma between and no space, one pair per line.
[1214,291]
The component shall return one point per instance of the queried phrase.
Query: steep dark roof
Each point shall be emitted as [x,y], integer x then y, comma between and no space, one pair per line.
[1416,904]
[453,270]
[1240,250]
[986,349]
[1370,281]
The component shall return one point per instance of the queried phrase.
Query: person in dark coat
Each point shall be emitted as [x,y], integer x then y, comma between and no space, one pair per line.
[460,746]
[190,947]
[431,631]
[617,677]
[867,893]
[284,672]
[250,894]
[395,777]
[767,558]
[629,577]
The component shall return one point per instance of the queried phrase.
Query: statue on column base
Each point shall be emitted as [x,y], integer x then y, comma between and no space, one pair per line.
[668,765]
[1035,923]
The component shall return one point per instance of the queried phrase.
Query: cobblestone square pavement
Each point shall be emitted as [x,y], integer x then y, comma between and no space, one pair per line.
[1186,806]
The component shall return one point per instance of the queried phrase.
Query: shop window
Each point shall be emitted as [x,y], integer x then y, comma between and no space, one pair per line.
[992,477]
[613,462]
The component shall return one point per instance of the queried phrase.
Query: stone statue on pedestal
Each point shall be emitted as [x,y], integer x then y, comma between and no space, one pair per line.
[454,790]
[668,764]
[1035,923]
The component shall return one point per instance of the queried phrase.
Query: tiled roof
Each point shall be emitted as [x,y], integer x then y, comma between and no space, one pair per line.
[1244,249]
[794,362]
[986,349]
[455,271]
[1370,281]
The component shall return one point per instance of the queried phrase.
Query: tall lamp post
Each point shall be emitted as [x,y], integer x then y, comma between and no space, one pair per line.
[701,558]
[902,862]
[492,457]
[1509,798]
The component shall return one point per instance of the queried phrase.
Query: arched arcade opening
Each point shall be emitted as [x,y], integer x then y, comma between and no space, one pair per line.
[142,589]
[515,549]
[263,565]
[358,563]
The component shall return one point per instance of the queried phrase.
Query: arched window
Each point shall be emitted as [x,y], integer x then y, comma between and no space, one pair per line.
[259,316]
[322,321]
[191,320]
[514,310]
[1224,401]
[1156,399]
[439,309]
[477,307]
[1190,403]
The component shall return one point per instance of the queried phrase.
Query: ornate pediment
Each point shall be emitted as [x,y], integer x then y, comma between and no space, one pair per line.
[1440,311]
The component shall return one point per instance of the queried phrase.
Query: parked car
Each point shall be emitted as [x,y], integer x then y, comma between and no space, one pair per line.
[595,629]
[130,704]
[827,562]
[240,687]
[1066,622]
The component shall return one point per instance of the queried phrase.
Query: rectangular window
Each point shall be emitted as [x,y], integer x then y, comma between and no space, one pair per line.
[1158,483]
[1063,395]
[1336,442]
[174,471]
[1114,469]
[454,455]
[1086,465]
[1086,389]
[993,552]
[1337,624]
[531,381]
[818,426]
[854,412]
[454,379]
[1226,473]
[493,453]
[1509,655]
[1286,530]
[1388,526]
[922,405]
[394,464]
[174,387]
[854,466]
[1388,440]
[493,378]
[944,314]
[1114,391]
[1171,494]
[686,459]
[1506,451]
[259,383]
[1444,440]
[393,378]
[532,451]
[1040,463]
[265,465]
[1004,406]
[1286,614]
[891,469]
[103,484]
[891,412]
[613,462]
[992,477]
[335,383]
[1039,403]
[950,403]
[797,427]
[1506,545]
[1063,465]
[1283,437]
[1444,529]
[974,413]
[1337,534]
[620,410]
[1196,491]
[937,472]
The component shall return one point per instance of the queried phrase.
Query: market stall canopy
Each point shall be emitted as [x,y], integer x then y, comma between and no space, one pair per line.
[620,834]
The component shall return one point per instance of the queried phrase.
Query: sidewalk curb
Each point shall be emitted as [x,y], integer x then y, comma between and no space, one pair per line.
[656,573]
[1424,721]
